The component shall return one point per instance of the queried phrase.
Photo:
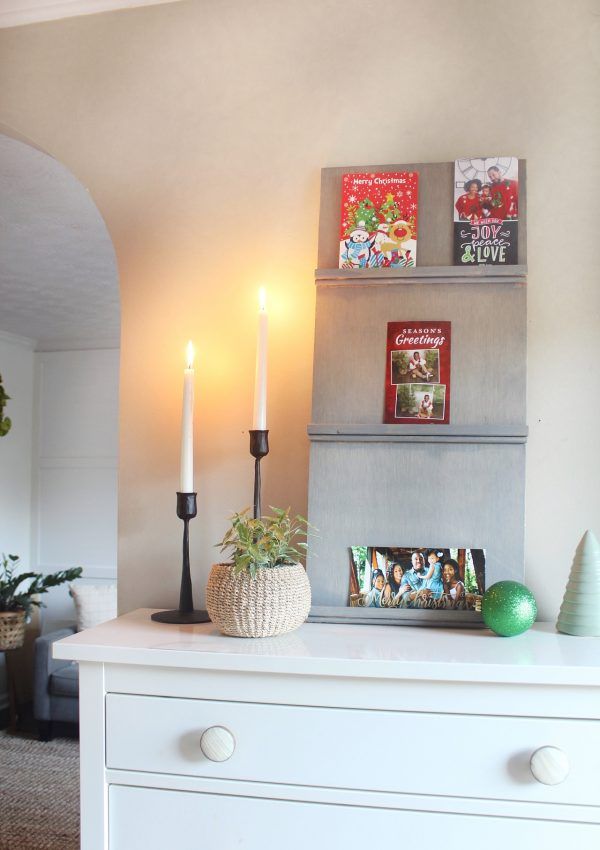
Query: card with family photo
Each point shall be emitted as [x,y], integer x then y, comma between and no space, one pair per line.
[430,577]
[486,210]
[418,373]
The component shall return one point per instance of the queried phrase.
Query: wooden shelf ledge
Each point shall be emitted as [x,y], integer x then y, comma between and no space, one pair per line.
[374,433]
[515,275]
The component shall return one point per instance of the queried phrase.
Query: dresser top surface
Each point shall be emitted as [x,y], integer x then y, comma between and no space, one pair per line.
[539,656]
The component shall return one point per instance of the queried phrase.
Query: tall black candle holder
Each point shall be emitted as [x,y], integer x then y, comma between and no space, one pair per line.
[259,448]
[186,510]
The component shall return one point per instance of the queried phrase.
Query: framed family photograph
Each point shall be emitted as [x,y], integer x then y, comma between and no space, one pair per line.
[432,578]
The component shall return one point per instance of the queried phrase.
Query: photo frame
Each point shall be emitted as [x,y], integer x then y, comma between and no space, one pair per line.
[420,578]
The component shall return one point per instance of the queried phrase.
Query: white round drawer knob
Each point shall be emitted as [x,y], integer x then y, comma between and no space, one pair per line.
[549,765]
[217,743]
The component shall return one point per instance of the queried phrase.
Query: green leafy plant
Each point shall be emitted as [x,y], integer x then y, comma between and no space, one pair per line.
[264,543]
[18,592]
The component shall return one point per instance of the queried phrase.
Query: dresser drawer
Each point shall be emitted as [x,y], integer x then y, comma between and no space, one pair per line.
[417,753]
[158,819]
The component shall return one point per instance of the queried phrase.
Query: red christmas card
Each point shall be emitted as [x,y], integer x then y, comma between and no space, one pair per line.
[417,377]
[379,220]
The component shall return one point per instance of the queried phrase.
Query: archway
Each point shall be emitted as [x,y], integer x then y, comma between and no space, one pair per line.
[59,361]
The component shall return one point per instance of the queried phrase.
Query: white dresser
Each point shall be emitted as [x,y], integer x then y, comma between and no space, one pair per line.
[336,736]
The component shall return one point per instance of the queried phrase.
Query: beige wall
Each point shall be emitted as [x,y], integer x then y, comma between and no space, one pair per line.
[200,128]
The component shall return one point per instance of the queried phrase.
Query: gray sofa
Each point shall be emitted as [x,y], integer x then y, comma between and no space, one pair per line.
[55,685]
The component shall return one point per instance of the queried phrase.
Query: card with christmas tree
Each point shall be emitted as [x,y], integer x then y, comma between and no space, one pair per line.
[379,220]
[417,383]
[486,210]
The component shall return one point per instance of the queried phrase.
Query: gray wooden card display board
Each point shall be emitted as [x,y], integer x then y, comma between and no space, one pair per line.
[460,485]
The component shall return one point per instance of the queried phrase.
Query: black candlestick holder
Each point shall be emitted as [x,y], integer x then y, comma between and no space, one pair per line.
[259,448]
[186,510]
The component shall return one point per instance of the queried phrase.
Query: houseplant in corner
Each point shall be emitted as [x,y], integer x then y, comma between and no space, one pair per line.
[264,589]
[19,594]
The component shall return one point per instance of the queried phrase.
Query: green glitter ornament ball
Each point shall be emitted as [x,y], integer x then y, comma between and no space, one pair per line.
[508,608]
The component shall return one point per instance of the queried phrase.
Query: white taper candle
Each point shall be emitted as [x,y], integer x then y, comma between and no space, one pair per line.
[186,482]
[259,418]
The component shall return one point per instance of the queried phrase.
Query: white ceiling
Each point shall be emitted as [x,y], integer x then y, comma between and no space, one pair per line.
[58,275]
[14,13]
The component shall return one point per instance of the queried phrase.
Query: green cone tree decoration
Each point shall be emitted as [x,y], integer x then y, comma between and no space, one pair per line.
[580,610]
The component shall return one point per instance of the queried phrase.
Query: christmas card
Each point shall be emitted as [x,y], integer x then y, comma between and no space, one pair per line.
[417,389]
[486,210]
[432,577]
[379,220]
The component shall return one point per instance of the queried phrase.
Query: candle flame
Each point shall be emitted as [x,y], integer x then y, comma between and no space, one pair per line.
[262,299]
[190,355]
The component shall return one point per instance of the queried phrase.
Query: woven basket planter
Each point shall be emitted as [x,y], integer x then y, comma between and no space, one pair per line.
[12,629]
[275,601]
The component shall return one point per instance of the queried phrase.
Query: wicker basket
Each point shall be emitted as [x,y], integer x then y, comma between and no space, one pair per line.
[12,629]
[275,601]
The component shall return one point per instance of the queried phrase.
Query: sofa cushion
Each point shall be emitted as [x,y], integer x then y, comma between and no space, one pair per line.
[94,604]
[64,682]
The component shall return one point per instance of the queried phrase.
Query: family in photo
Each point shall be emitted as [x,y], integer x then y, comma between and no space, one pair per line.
[383,577]
[498,198]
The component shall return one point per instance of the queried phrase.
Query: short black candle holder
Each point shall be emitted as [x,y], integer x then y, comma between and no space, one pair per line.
[186,510]
[259,448]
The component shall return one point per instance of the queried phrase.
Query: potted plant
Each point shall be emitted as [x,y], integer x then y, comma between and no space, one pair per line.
[17,599]
[264,589]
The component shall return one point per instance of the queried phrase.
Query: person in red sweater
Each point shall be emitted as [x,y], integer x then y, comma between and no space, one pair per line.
[505,195]
[468,205]
[486,200]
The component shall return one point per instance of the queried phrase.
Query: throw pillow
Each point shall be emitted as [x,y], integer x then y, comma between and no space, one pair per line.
[94,604]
